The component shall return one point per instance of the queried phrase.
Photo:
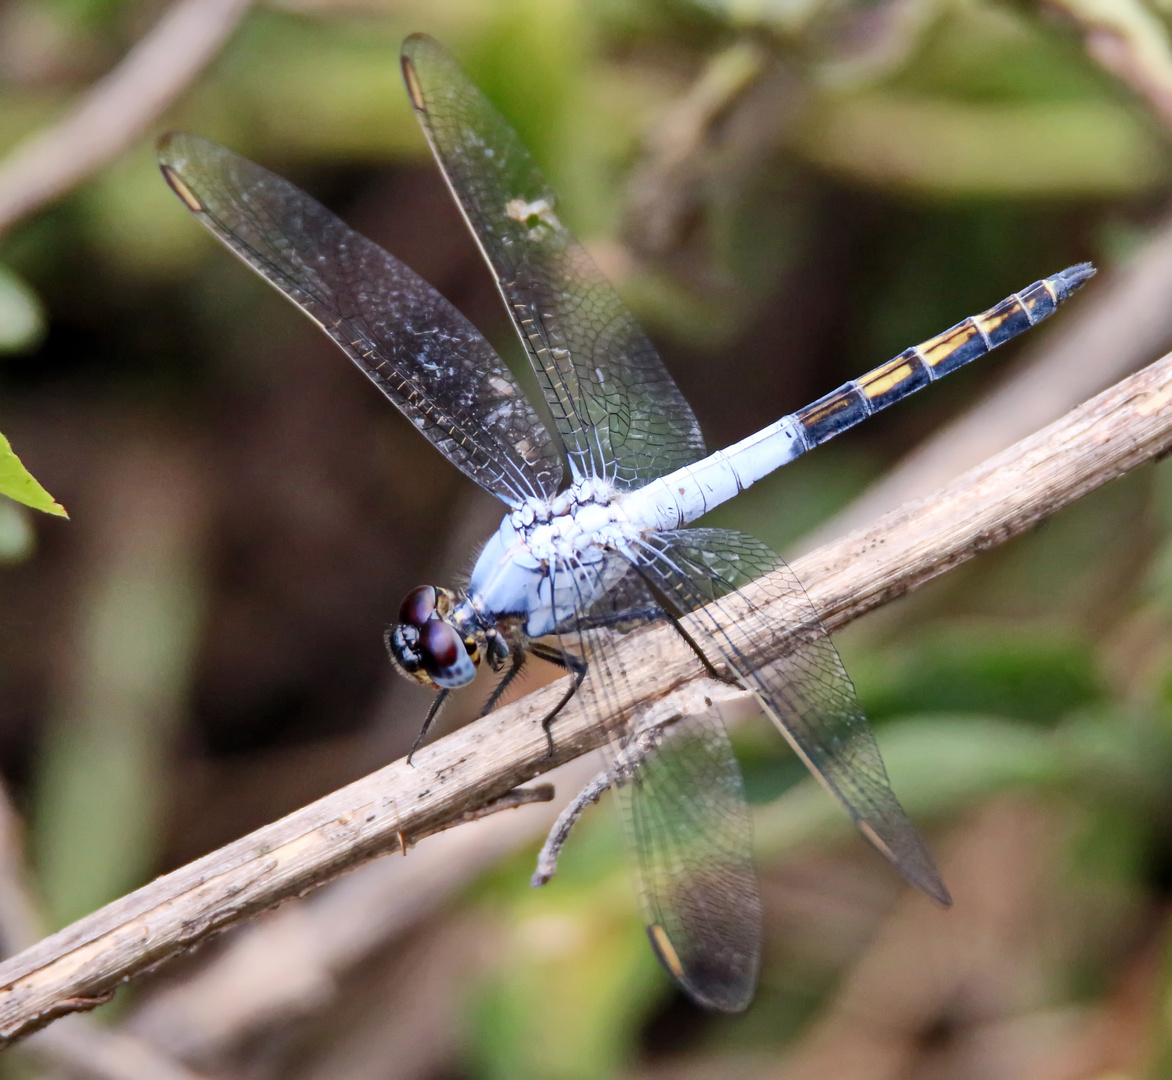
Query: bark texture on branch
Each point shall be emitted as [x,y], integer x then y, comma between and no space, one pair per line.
[81,965]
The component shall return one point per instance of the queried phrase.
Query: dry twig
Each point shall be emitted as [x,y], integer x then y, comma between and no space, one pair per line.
[118,108]
[78,1045]
[1130,40]
[75,968]
[292,963]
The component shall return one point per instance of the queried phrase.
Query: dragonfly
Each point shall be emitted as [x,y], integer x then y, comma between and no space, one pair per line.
[601,477]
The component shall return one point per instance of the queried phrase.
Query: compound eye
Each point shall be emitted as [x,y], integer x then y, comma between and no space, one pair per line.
[440,645]
[444,656]
[418,606]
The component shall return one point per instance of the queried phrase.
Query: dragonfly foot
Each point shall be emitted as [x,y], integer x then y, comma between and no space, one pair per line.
[547,859]
[618,774]
[436,704]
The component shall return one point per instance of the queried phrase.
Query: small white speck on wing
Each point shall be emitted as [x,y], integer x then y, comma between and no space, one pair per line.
[502,386]
[501,412]
[525,212]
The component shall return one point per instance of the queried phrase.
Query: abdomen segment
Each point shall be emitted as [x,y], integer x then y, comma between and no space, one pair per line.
[914,368]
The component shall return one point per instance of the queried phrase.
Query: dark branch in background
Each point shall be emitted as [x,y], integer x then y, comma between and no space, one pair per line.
[118,109]
[399,805]
[1131,42]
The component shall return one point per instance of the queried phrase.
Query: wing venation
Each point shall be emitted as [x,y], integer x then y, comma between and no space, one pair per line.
[771,636]
[615,408]
[412,344]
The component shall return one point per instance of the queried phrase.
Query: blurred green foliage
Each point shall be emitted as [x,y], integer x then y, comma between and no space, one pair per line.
[22,319]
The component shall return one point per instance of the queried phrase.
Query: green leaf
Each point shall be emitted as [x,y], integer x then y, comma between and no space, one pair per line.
[1034,671]
[18,483]
[938,765]
[941,764]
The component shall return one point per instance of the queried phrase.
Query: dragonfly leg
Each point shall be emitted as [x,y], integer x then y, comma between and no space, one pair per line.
[432,713]
[694,645]
[503,685]
[619,773]
[547,860]
[665,612]
[575,665]
[618,618]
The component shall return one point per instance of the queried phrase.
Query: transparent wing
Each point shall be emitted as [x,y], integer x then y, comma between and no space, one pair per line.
[412,344]
[795,670]
[616,409]
[687,823]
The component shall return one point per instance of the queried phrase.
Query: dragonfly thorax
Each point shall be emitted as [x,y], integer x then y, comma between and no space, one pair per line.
[550,559]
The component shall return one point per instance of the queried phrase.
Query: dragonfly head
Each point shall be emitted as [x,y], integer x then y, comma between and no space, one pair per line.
[431,647]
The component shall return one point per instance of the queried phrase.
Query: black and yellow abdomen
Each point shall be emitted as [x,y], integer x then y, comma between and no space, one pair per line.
[914,368]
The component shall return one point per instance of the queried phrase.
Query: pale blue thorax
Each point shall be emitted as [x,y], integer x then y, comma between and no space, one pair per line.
[550,559]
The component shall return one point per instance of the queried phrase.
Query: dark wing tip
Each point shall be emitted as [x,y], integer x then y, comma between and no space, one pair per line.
[413,42]
[1074,277]
[176,147]
[728,990]
[919,869]
[937,891]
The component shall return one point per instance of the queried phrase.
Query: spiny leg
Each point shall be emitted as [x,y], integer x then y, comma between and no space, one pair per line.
[547,859]
[666,613]
[503,685]
[636,749]
[634,753]
[576,666]
[432,713]
[652,614]
[618,618]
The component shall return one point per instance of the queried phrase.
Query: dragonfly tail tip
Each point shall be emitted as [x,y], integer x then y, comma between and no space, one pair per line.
[1074,277]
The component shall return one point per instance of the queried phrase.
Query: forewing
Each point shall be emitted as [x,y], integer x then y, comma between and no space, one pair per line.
[616,409]
[412,344]
[687,823]
[789,662]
